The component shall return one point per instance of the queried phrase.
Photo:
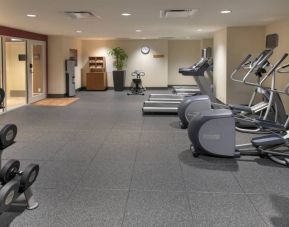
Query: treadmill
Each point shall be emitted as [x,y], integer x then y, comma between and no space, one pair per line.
[206,53]
[171,106]
[180,92]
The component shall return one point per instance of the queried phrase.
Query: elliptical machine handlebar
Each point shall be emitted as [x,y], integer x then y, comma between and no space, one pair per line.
[272,71]
[138,73]
[274,68]
[281,69]
[260,62]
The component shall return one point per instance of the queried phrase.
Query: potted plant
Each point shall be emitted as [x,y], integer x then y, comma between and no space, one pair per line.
[120,58]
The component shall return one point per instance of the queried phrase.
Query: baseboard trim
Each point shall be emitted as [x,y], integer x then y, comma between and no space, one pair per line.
[56,95]
[125,88]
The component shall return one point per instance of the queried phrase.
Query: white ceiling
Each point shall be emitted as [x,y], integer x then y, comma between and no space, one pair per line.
[145,16]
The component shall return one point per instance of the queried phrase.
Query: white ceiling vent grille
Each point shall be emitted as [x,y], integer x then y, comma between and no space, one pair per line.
[80,15]
[177,13]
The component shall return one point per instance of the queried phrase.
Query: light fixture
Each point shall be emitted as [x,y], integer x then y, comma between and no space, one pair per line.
[78,31]
[31,15]
[126,14]
[138,30]
[225,11]
[16,40]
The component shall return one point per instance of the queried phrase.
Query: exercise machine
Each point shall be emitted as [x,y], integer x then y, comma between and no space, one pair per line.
[206,53]
[271,104]
[137,87]
[212,132]
[166,104]
[181,92]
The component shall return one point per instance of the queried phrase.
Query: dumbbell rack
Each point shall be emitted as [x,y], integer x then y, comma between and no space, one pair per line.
[31,203]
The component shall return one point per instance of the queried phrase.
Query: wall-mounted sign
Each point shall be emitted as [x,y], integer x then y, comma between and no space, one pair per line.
[21,57]
[73,55]
[158,55]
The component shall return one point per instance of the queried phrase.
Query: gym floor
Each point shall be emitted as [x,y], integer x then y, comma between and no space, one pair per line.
[102,163]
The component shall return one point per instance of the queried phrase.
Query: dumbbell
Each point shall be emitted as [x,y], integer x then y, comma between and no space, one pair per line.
[7,135]
[8,193]
[10,171]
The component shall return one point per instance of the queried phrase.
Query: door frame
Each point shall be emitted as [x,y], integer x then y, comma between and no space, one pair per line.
[4,72]
[29,52]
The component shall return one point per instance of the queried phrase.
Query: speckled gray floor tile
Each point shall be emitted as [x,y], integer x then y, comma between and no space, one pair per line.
[158,176]
[157,209]
[210,178]
[274,208]
[218,210]
[107,175]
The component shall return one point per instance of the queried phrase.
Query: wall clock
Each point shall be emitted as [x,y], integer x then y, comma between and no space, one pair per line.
[145,49]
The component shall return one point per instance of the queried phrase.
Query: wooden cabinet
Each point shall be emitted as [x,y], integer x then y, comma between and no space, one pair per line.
[96,79]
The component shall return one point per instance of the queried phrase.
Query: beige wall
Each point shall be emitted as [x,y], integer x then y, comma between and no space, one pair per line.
[220,62]
[282,29]
[15,69]
[182,54]
[205,43]
[156,69]
[231,46]
[242,41]
[58,51]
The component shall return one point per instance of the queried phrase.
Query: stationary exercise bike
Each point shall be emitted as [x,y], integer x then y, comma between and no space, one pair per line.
[13,182]
[137,88]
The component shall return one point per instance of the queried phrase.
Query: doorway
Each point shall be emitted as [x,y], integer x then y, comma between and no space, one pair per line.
[36,70]
[14,72]
[23,75]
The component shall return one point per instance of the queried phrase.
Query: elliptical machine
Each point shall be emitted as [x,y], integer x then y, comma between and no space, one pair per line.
[212,133]
[14,182]
[137,88]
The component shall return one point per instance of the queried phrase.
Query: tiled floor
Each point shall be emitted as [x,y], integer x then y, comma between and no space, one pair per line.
[105,164]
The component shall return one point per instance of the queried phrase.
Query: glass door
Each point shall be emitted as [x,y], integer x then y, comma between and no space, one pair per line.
[14,72]
[36,70]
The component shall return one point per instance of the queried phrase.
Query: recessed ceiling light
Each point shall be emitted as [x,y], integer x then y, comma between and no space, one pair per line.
[78,31]
[225,11]
[16,40]
[199,30]
[31,15]
[138,30]
[126,14]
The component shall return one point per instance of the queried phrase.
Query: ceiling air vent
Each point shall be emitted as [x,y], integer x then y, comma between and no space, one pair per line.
[177,13]
[80,15]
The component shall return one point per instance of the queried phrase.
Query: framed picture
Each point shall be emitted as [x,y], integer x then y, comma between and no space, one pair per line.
[73,55]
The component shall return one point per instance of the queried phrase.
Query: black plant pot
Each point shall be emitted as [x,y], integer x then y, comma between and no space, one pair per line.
[118,80]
